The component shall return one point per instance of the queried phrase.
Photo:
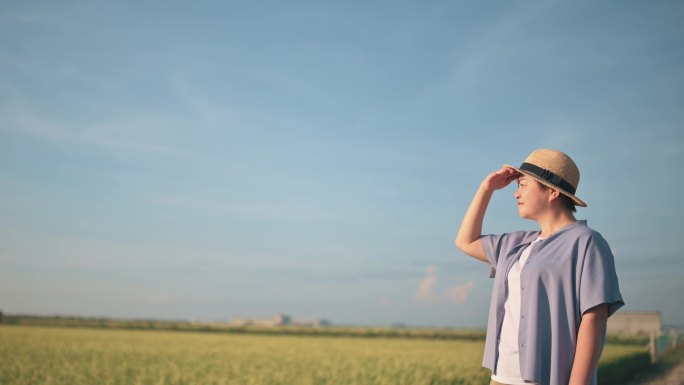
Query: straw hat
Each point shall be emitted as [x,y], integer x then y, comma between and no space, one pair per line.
[554,169]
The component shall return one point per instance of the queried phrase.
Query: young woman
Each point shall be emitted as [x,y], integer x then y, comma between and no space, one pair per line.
[554,288]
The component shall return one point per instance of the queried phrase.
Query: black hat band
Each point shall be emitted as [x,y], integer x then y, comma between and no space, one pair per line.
[549,177]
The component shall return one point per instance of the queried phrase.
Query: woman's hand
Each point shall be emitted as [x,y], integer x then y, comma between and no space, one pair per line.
[500,179]
[468,237]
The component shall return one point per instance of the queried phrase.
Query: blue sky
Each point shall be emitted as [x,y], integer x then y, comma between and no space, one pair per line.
[218,160]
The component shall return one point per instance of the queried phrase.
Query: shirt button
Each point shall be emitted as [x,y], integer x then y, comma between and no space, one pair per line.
[523,316]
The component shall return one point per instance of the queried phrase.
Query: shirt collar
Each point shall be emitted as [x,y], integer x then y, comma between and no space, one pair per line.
[535,234]
[567,227]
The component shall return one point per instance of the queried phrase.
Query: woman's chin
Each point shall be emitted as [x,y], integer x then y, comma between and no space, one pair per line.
[522,213]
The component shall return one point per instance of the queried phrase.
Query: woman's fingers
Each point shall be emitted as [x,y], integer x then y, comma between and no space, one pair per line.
[502,177]
[514,175]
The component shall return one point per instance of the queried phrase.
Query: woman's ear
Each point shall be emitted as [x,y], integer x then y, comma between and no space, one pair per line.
[553,194]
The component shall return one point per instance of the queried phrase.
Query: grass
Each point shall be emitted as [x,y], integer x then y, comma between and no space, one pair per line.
[80,356]
[36,355]
[660,368]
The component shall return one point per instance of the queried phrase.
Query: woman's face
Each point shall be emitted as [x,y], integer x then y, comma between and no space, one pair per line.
[532,199]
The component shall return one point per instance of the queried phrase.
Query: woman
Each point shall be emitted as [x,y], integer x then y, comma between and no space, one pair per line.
[553,289]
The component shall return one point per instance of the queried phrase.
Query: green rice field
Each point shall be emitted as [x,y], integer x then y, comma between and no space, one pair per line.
[82,356]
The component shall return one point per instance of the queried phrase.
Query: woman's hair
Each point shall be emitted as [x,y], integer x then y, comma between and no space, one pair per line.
[567,202]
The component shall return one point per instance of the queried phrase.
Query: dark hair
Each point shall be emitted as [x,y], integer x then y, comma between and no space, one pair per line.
[567,202]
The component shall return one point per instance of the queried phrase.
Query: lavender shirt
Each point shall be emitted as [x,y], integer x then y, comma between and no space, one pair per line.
[565,275]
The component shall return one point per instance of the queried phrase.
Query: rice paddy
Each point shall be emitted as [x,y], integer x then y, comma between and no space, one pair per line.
[82,356]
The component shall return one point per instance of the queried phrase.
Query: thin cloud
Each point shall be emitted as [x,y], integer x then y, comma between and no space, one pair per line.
[290,84]
[493,44]
[425,289]
[427,292]
[301,212]
[202,108]
[458,294]
[156,298]
[140,134]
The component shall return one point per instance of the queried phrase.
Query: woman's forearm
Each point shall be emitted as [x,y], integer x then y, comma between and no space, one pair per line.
[471,225]
[468,237]
[589,345]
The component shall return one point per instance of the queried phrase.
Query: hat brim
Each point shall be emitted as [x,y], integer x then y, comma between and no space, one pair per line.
[575,199]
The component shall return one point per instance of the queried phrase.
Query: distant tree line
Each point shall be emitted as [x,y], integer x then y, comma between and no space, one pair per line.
[323,331]
[336,331]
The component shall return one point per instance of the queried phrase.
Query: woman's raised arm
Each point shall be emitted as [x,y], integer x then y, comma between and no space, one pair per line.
[468,237]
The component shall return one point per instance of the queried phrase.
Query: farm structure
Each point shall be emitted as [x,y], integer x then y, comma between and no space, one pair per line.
[631,323]
[279,319]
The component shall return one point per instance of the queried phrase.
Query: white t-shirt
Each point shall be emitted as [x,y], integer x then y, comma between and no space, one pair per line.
[508,364]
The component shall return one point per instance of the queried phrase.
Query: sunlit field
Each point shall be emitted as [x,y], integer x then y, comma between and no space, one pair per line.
[80,356]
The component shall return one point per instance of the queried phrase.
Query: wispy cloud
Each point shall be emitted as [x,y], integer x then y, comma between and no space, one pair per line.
[254,208]
[427,292]
[146,134]
[458,294]
[224,115]
[497,44]
[157,298]
[72,72]
[202,108]
[427,284]
[289,84]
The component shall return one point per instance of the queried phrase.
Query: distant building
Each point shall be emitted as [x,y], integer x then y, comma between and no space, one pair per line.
[309,322]
[279,319]
[635,322]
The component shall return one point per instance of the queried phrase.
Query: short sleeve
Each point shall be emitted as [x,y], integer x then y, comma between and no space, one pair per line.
[598,279]
[494,245]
